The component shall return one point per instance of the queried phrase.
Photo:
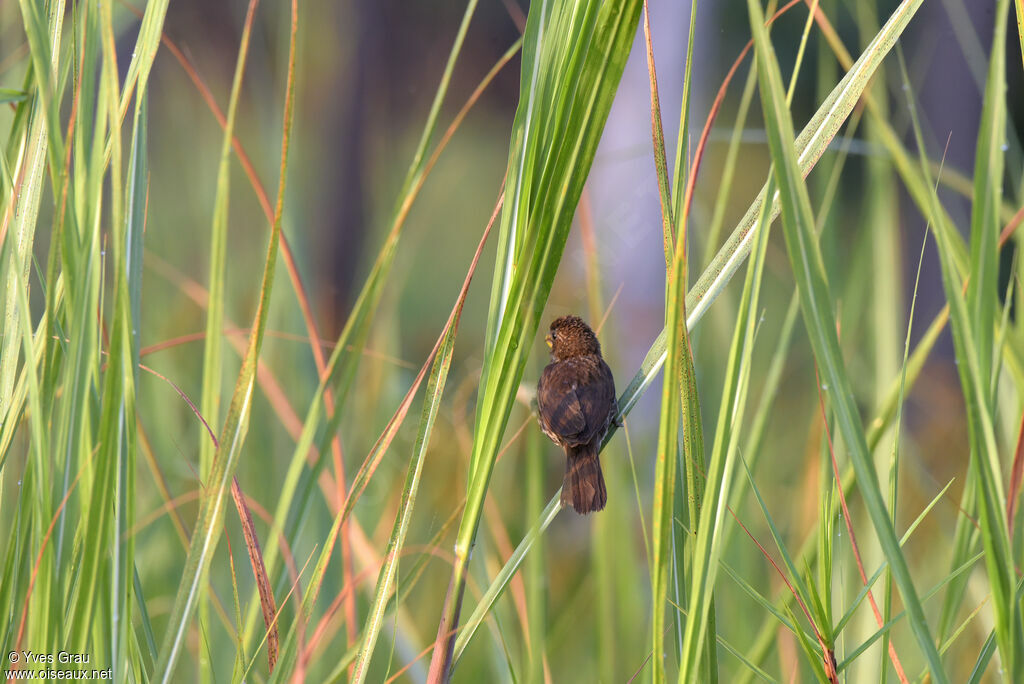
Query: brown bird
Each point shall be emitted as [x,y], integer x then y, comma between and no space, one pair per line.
[576,398]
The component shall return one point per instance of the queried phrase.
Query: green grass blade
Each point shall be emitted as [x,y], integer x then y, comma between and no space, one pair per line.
[386,578]
[982,294]
[668,213]
[128,304]
[815,301]
[114,461]
[720,468]
[535,574]
[989,493]
[208,529]
[213,342]
[41,143]
[678,441]
[144,52]
[501,580]
[1018,6]
[681,164]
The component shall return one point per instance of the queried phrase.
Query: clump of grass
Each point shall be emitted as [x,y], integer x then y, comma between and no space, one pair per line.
[119,558]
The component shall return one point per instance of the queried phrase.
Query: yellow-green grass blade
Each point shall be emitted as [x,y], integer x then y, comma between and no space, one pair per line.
[988,649]
[144,52]
[501,580]
[127,321]
[209,404]
[1018,6]
[37,428]
[682,163]
[30,373]
[80,270]
[679,441]
[689,444]
[896,432]
[9,95]
[16,568]
[44,39]
[143,55]
[40,143]
[32,510]
[208,528]
[386,578]
[213,343]
[989,492]
[982,289]
[812,283]
[886,628]
[660,162]
[536,573]
[725,184]
[884,303]
[114,457]
[708,544]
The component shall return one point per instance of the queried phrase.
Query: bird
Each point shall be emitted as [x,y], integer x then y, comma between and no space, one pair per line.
[576,406]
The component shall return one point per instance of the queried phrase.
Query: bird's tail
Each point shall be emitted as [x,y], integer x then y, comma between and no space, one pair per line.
[583,488]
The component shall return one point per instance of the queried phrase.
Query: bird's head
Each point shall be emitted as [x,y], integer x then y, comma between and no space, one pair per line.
[569,336]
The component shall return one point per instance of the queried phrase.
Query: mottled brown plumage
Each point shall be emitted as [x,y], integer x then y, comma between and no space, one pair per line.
[576,401]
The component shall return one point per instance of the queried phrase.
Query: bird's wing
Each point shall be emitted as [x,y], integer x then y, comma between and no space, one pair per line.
[561,413]
[596,396]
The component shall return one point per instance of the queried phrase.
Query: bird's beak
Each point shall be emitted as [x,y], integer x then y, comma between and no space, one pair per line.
[550,341]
